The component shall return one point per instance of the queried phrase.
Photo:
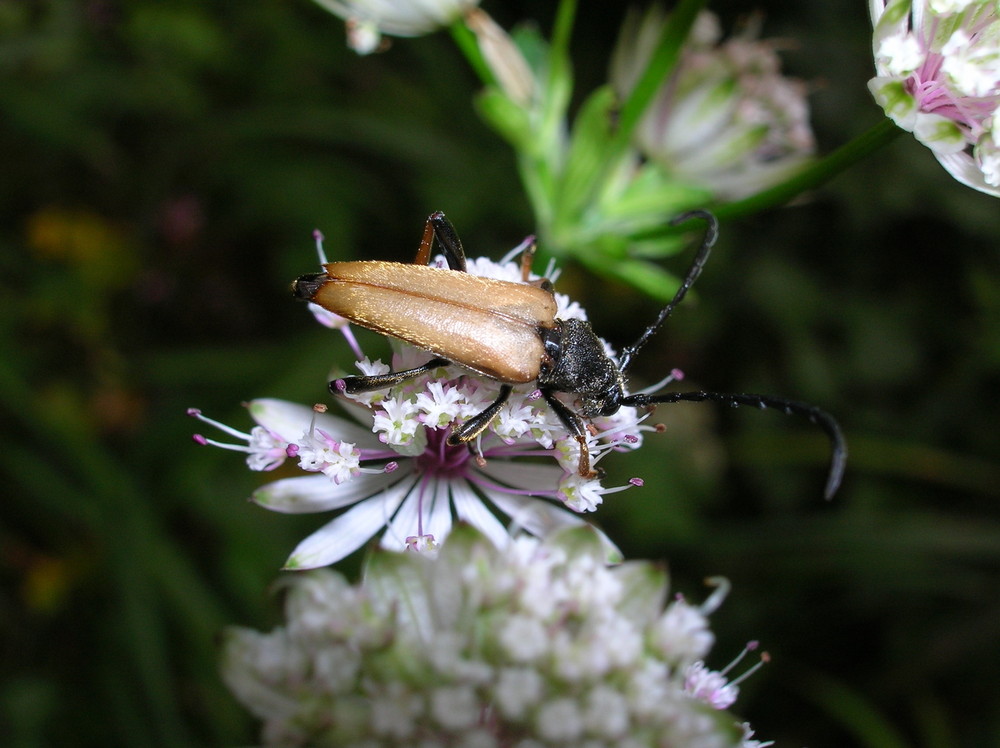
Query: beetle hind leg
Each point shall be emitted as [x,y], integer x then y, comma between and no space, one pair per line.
[528,259]
[357,384]
[440,228]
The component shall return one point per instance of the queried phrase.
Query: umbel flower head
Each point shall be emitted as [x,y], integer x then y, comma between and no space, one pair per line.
[367,20]
[393,468]
[726,118]
[938,76]
[539,645]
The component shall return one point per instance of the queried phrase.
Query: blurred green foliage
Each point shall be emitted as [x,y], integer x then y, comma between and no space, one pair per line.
[163,165]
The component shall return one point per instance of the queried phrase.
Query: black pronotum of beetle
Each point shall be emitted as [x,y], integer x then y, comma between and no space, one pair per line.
[508,331]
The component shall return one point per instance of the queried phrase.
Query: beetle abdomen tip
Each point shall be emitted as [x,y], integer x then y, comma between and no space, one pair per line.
[305,287]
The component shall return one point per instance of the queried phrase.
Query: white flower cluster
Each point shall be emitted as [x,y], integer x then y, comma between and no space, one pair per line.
[726,118]
[938,76]
[398,471]
[539,645]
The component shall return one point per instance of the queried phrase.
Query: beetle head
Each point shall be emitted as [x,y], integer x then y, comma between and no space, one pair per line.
[579,365]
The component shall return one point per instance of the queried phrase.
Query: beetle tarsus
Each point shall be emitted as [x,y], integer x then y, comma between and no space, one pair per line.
[583,465]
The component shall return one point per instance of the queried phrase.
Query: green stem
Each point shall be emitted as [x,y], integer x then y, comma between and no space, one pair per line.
[668,50]
[559,85]
[662,62]
[467,43]
[561,32]
[811,177]
[815,174]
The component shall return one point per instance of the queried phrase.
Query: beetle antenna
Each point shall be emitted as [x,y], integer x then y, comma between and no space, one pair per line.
[821,418]
[711,234]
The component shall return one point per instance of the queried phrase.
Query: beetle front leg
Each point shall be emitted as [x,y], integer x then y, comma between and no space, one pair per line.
[576,427]
[439,227]
[357,384]
[477,424]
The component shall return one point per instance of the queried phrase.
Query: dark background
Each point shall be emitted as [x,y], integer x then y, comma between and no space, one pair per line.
[163,167]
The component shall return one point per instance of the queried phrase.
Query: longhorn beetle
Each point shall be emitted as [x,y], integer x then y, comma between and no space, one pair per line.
[508,331]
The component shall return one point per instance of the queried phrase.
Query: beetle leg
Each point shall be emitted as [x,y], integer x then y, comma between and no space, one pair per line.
[478,423]
[426,242]
[437,226]
[575,425]
[354,385]
[527,258]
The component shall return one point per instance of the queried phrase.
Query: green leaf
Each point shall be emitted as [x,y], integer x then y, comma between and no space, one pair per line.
[855,713]
[672,39]
[645,276]
[507,118]
[585,156]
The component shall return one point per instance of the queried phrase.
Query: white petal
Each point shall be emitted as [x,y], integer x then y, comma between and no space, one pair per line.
[363,36]
[317,493]
[700,116]
[894,20]
[360,413]
[987,156]
[964,169]
[875,10]
[948,6]
[344,535]
[891,95]
[537,516]
[291,420]
[938,133]
[542,518]
[403,523]
[528,476]
[439,524]
[411,18]
[423,503]
[287,419]
[900,54]
[971,66]
[470,508]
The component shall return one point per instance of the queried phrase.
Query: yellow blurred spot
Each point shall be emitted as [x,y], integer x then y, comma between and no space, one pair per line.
[98,247]
[72,235]
[46,583]
[117,410]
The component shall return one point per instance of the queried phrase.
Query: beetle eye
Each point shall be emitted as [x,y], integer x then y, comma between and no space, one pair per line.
[606,403]
[610,406]
[610,401]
